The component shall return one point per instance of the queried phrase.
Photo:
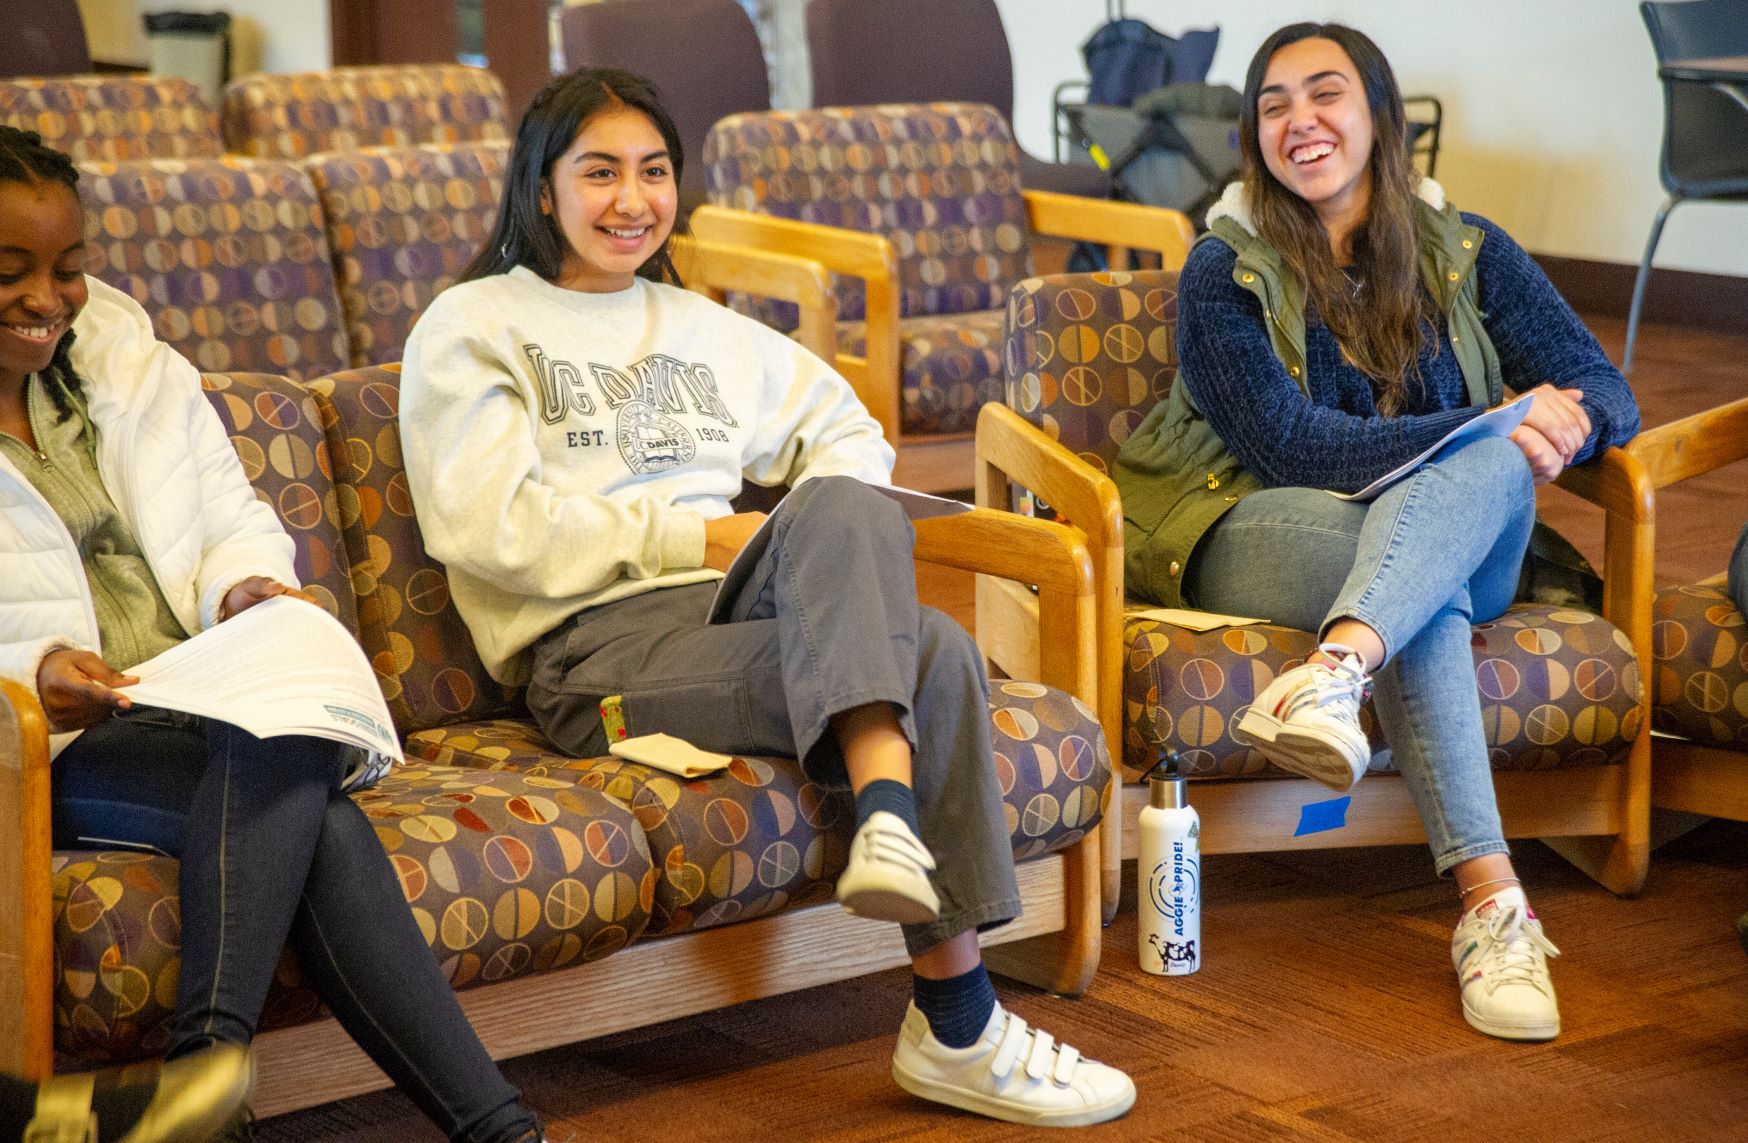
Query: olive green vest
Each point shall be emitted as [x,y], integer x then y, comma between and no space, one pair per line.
[1175,474]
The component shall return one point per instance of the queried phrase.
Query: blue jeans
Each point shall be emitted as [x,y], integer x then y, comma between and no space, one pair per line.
[272,854]
[1434,554]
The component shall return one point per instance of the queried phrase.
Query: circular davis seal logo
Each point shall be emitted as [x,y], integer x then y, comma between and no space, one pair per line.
[650,441]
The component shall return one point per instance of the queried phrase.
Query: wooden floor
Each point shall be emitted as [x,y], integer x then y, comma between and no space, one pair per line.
[1326,1006]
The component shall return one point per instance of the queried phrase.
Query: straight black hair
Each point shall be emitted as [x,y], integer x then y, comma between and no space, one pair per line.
[26,159]
[524,235]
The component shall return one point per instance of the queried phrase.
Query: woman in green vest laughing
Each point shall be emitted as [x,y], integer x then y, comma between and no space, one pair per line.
[1339,319]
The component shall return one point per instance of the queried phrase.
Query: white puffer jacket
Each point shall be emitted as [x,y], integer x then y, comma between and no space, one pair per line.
[164,457]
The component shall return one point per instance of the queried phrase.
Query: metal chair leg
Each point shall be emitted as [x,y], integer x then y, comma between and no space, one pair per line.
[1643,276]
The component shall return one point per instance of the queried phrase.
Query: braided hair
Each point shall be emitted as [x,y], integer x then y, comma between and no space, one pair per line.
[25,158]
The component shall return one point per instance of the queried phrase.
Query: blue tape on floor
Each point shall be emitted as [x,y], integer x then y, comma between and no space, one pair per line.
[1316,817]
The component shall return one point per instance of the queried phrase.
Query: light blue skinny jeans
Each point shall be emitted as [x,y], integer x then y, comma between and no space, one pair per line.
[1434,554]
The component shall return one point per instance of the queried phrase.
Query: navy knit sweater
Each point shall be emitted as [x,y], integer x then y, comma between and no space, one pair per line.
[1337,439]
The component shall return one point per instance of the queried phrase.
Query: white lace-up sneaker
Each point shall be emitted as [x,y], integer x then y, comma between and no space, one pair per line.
[1013,1072]
[887,878]
[1308,719]
[1501,958]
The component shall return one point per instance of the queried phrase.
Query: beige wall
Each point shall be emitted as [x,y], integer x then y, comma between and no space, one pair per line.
[1553,113]
[268,35]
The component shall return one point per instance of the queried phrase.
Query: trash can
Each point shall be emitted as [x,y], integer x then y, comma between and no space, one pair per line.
[194,45]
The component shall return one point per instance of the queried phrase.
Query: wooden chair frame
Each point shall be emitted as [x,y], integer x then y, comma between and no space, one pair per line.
[1695,777]
[938,462]
[1599,817]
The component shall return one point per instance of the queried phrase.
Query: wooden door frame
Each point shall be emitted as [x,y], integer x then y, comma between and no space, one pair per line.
[516,44]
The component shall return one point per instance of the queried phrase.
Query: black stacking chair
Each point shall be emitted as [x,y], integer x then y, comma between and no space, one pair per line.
[44,37]
[1705,125]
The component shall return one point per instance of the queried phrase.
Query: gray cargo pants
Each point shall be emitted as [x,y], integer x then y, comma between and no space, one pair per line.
[827,620]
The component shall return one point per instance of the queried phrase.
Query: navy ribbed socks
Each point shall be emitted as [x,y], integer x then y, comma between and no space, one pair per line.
[958,1008]
[895,798]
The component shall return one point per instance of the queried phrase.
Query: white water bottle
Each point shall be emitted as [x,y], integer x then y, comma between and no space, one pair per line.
[1169,874]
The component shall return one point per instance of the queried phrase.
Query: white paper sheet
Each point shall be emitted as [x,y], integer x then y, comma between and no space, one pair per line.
[281,667]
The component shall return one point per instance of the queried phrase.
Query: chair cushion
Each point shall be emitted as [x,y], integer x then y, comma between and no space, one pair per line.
[507,874]
[941,180]
[403,223]
[1558,689]
[950,364]
[424,657]
[112,118]
[345,108]
[227,255]
[1087,356]
[762,837]
[279,436]
[1699,643]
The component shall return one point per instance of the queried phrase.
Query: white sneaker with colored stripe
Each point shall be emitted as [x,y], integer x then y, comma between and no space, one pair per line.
[1501,957]
[1013,1072]
[1308,719]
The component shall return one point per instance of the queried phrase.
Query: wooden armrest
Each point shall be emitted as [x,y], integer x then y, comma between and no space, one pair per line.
[1615,482]
[867,256]
[714,268]
[1108,222]
[1011,448]
[1693,445]
[1039,552]
[27,955]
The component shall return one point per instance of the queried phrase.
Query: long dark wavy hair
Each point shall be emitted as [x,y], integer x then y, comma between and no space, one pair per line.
[524,234]
[1382,325]
[26,159]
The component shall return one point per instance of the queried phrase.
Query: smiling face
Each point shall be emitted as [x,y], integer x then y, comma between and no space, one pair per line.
[613,196]
[1315,130]
[42,275]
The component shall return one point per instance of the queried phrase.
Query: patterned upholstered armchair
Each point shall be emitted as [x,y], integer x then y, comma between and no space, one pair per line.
[394,105]
[919,209]
[402,222]
[227,255]
[1699,642]
[112,118]
[1567,715]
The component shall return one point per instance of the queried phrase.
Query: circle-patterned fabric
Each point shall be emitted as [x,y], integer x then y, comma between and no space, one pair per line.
[1558,689]
[763,837]
[940,180]
[112,118]
[424,657]
[227,255]
[277,430]
[345,108]
[507,874]
[1699,644]
[403,223]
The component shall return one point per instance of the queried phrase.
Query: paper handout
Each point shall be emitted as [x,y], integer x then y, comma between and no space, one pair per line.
[1500,422]
[283,666]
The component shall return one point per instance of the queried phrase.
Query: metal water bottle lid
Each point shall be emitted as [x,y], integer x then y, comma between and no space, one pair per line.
[1166,787]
